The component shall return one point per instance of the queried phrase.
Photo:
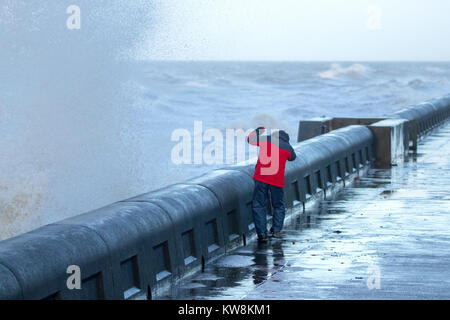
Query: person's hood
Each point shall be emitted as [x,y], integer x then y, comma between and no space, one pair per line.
[282,135]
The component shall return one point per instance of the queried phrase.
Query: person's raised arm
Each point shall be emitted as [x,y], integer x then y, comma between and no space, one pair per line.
[293,155]
[253,137]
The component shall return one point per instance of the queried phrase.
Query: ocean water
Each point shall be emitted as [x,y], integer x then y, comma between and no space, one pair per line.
[84,122]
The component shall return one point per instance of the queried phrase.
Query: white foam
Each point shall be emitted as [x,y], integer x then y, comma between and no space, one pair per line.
[336,70]
[196,84]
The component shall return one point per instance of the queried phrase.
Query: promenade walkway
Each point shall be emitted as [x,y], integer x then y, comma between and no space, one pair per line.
[385,237]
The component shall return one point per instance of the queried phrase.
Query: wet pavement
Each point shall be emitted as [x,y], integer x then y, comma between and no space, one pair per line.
[385,237]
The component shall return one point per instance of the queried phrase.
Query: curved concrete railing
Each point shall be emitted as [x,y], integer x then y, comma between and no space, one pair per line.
[427,114]
[136,246]
[424,116]
[150,240]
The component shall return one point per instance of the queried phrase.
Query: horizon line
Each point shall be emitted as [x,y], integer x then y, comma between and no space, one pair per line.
[245,60]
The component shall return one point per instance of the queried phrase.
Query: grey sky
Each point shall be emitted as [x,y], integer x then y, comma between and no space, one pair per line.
[300,30]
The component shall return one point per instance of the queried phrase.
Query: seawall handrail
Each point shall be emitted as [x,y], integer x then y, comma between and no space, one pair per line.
[425,116]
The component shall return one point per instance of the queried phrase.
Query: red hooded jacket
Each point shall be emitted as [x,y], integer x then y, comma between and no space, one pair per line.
[274,151]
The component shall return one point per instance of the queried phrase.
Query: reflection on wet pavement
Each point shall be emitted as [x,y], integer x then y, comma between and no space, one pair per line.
[391,225]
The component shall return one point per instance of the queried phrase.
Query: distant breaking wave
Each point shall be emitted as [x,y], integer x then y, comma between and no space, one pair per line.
[355,70]
[196,84]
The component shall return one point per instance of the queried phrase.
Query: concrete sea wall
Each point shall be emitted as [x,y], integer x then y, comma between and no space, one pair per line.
[140,245]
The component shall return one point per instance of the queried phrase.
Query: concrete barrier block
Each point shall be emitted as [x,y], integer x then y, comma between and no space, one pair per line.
[391,138]
[339,122]
[311,128]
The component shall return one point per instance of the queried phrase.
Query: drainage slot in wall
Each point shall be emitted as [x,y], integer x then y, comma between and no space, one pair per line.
[162,260]
[308,187]
[129,276]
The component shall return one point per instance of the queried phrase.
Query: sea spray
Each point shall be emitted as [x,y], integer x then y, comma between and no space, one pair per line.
[63,108]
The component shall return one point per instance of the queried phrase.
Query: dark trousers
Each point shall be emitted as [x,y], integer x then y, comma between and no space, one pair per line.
[260,206]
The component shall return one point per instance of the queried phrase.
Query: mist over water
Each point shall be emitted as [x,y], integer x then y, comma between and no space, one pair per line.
[83,124]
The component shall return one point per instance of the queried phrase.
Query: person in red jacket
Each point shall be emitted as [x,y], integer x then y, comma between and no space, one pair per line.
[274,151]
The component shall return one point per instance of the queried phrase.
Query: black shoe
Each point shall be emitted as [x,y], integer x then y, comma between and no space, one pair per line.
[263,239]
[277,235]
